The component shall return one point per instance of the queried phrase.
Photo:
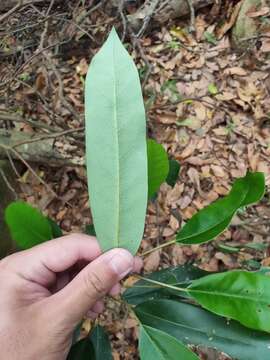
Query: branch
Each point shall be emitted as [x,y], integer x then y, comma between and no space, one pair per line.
[31,149]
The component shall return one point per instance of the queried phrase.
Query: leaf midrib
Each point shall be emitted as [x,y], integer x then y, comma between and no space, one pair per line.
[230,295]
[212,226]
[192,328]
[117,190]
[153,342]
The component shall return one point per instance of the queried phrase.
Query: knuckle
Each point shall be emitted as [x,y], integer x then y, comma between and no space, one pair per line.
[94,284]
[6,263]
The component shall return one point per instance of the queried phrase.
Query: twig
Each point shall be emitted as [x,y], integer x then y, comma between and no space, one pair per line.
[124,20]
[148,18]
[12,164]
[49,136]
[192,16]
[35,124]
[168,243]
[10,12]
[8,184]
[136,43]
[29,60]
[18,155]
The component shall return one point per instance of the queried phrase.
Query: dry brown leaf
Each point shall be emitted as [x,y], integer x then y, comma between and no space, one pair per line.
[262,12]
[221,31]
[151,262]
[225,96]
[235,71]
[177,255]
[218,171]
[188,150]
[167,118]
[173,223]
[265,46]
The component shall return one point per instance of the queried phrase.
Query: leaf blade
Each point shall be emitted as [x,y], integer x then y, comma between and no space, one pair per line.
[193,325]
[158,166]
[116,147]
[213,219]
[27,225]
[181,276]
[157,345]
[101,343]
[241,295]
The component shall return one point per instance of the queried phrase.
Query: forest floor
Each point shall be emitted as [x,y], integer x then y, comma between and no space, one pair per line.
[207,102]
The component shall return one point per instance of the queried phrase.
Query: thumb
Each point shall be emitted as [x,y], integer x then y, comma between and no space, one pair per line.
[91,284]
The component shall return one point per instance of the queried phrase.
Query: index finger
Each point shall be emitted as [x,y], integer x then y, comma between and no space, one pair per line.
[41,263]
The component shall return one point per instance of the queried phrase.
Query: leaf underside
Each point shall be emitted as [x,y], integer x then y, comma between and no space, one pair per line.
[116,147]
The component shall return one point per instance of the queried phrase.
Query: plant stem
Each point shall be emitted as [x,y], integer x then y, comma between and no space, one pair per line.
[172,287]
[168,243]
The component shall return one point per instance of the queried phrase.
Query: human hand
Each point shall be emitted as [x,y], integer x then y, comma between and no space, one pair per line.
[46,291]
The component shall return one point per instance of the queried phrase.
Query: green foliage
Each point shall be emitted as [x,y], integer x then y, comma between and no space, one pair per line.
[180,276]
[213,219]
[96,346]
[210,37]
[56,230]
[193,325]
[174,168]
[157,345]
[90,230]
[28,227]
[116,147]
[213,90]
[82,350]
[101,344]
[158,166]
[240,295]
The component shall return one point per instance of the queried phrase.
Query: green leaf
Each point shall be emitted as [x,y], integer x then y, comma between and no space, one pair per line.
[193,325]
[96,346]
[239,295]
[28,227]
[101,344]
[82,350]
[56,230]
[90,230]
[212,89]
[209,37]
[174,168]
[157,345]
[215,218]
[158,166]
[181,276]
[116,150]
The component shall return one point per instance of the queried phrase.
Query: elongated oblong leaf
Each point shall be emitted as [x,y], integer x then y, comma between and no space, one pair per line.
[157,345]
[96,346]
[158,166]
[181,276]
[101,344]
[116,147]
[240,295]
[28,227]
[212,220]
[193,325]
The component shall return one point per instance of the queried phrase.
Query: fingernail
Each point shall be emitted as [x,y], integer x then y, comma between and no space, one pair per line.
[122,263]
